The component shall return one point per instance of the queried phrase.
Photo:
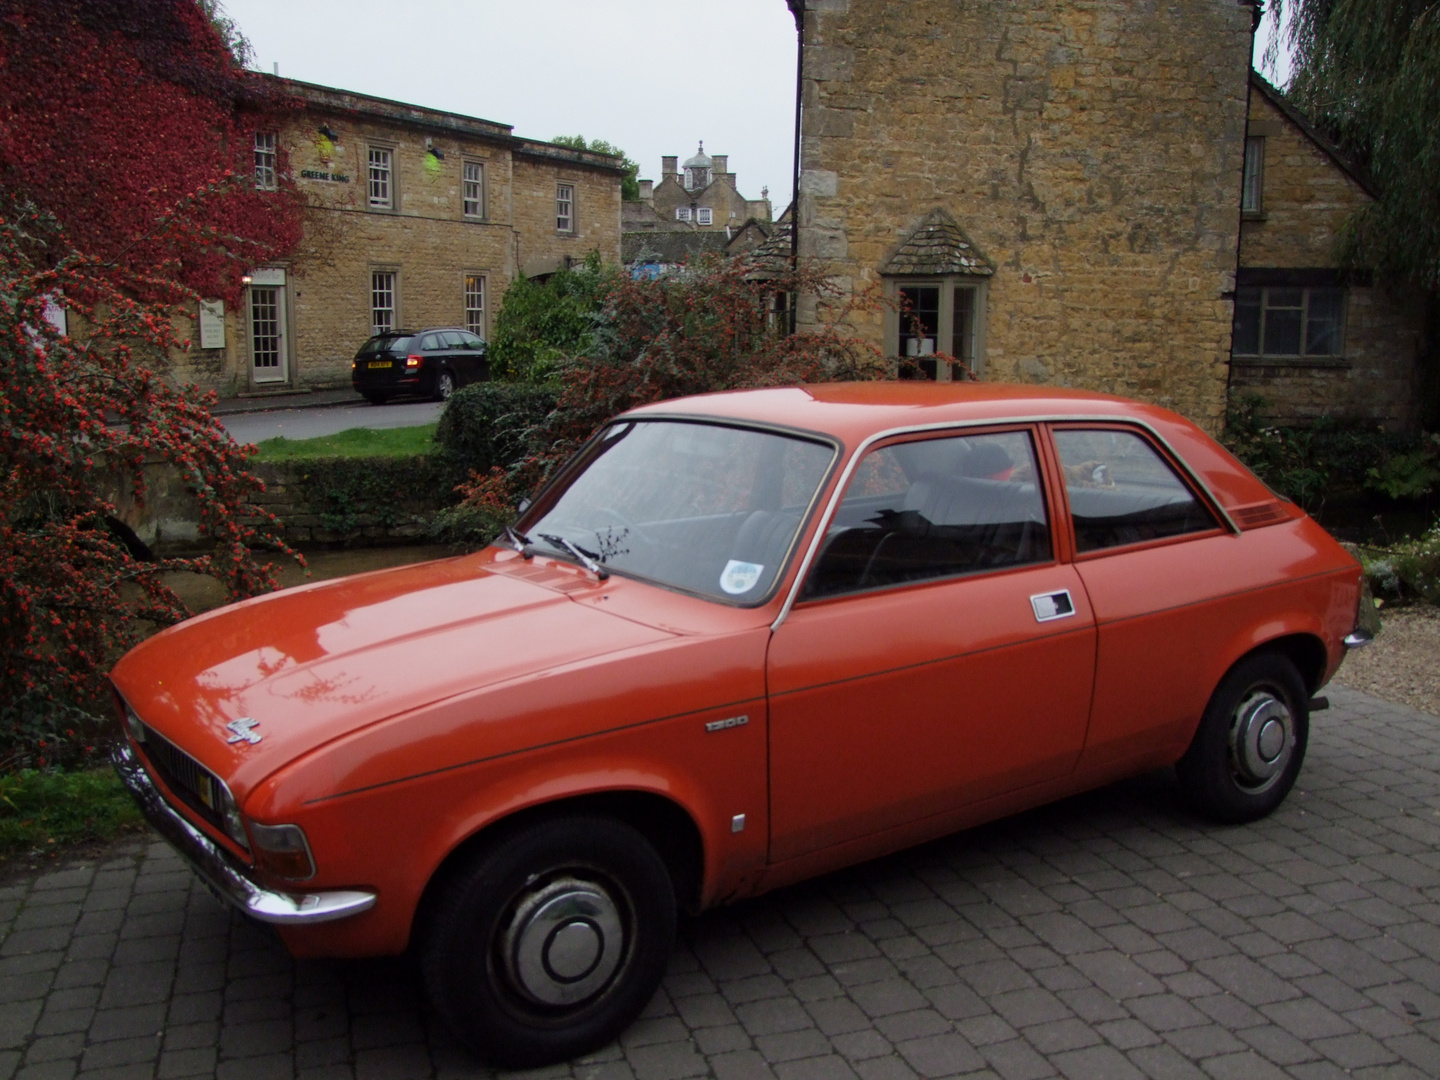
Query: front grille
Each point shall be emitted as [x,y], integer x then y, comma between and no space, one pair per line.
[193,784]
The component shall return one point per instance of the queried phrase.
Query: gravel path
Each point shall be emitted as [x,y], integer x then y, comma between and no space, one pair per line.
[1403,665]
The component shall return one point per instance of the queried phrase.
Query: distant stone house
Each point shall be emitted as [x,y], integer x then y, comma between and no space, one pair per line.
[705,195]
[1310,339]
[1051,189]
[414,217]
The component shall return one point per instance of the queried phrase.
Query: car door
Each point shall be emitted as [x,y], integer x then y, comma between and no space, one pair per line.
[1150,553]
[477,367]
[939,654]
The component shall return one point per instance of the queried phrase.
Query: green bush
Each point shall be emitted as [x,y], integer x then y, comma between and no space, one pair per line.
[1409,570]
[541,323]
[1304,464]
[42,809]
[488,424]
[348,493]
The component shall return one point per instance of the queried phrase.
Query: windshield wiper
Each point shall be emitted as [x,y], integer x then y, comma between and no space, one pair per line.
[519,541]
[580,556]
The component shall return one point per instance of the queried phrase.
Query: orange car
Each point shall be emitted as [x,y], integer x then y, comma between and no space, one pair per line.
[740,640]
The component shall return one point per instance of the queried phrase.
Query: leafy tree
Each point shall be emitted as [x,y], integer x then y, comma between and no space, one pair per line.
[125,194]
[541,323]
[241,51]
[712,326]
[1367,72]
[629,184]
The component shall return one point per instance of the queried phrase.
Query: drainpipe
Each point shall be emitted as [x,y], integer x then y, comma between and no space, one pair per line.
[797,8]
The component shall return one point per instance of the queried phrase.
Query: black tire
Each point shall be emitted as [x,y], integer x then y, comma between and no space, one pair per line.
[1251,742]
[444,385]
[376,398]
[570,907]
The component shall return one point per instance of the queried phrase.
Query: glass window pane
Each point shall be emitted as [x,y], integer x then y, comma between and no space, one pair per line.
[1122,491]
[922,510]
[1247,322]
[711,509]
[1324,314]
[1254,171]
[962,345]
[919,319]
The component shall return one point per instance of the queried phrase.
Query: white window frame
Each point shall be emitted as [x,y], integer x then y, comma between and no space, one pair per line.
[704,216]
[1252,189]
[475,304]
[380,177]
[682,213]
[384,300]
[564,208]
[472,189]
[267,161]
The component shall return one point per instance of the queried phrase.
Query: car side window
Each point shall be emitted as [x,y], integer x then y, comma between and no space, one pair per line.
[470,341]
[452,339]
[935,508]
[1122,491]
[429,341]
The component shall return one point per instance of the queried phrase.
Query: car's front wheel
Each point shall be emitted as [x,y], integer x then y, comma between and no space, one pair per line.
[1250,744]
[551,941]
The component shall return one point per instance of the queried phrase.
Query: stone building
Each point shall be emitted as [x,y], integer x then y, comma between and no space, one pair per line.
[1051,188]
[1308,338]
[414,217]
[702,195]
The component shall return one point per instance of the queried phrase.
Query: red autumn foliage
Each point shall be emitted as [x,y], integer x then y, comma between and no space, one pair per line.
[713,326]
[126,193]
[113,112]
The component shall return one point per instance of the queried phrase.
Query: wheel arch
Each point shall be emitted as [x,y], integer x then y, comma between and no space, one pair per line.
[664,823]
[1305,651]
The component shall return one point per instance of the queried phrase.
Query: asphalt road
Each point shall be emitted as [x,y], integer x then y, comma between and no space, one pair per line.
[312,423]
[1111,936]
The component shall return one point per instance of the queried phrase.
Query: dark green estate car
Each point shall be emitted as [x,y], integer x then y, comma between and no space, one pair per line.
[432,363]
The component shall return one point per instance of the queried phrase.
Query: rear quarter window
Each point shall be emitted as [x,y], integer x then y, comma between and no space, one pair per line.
[1122,491]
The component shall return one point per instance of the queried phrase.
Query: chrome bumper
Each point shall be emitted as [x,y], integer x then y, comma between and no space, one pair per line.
[1358,639]
[215,866]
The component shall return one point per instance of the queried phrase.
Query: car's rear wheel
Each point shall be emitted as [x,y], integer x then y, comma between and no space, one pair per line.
[1251,742]
[444,385]
[550,942]
[375,397]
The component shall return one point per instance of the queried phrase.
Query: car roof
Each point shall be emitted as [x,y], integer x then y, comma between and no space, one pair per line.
[853,412]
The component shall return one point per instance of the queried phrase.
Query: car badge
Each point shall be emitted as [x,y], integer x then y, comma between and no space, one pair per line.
[243,730]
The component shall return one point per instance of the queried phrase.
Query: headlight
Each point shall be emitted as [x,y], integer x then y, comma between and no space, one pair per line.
[133,723]
[216,795]
[283,851]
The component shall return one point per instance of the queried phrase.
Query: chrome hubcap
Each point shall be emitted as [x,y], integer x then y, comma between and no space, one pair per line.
[1262,739]
[564,942]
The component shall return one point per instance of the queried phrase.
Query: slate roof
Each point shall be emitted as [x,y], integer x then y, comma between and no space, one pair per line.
[669,246]
[938,246]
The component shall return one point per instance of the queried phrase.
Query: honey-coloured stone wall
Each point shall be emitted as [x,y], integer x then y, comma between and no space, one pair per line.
[1307,192]
[1092,151]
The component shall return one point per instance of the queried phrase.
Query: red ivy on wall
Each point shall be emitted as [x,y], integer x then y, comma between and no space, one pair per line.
[113,112]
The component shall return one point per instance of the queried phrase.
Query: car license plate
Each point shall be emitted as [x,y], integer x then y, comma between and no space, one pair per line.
[379,364]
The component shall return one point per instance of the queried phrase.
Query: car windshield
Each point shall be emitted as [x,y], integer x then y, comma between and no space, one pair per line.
[385,343]
[703,507]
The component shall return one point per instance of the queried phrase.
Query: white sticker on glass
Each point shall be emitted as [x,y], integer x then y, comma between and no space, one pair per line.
[740,577]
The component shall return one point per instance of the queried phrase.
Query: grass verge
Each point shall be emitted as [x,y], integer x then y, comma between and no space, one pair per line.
[356,442]
[44,809]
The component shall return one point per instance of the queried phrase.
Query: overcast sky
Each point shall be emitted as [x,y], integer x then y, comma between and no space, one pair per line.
[652,78]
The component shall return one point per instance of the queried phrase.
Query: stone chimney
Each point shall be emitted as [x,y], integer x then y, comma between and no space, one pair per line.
[669,166]
[722,164]
[647,190]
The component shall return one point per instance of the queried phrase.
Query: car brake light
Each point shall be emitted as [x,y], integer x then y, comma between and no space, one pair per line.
[413,360]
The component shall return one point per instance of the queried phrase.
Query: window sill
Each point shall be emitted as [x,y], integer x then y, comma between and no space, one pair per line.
[1252,215]
[1333,362]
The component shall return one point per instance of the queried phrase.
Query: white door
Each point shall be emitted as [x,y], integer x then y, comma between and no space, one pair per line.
[268,345]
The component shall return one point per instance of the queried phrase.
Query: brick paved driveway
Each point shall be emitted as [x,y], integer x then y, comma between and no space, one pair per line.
[1109,936]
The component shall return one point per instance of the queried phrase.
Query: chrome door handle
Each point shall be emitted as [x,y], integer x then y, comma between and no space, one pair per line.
[1052,605]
